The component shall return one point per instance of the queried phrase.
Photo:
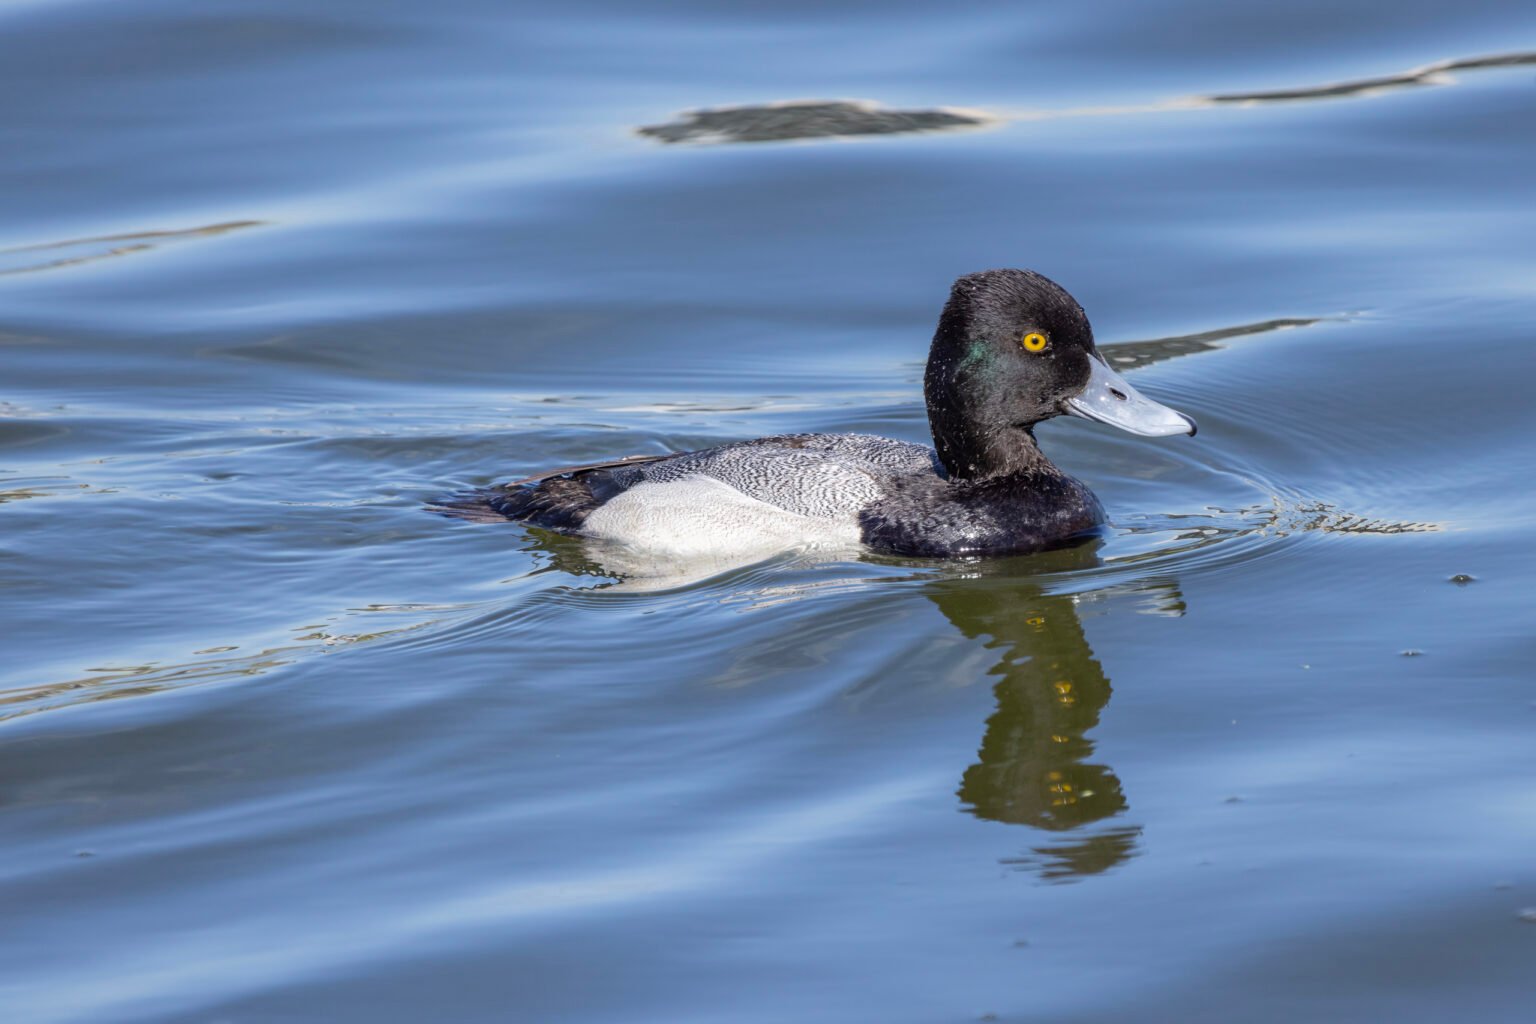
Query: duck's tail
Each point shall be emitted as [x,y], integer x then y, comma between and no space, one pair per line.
[479,506]
[555,499]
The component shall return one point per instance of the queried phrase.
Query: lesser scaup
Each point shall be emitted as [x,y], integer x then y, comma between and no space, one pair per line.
[1012,349]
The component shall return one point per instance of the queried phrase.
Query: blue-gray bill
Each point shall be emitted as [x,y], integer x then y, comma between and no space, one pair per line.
[1109,398]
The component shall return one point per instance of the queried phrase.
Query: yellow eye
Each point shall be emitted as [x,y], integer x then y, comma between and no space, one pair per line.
[1034,341]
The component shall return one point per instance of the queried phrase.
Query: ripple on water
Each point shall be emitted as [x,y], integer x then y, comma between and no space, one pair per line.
[115,682]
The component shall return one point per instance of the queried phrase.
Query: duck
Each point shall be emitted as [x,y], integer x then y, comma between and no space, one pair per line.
[1012,350]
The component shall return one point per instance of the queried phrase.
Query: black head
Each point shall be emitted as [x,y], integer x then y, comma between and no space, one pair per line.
[1012,349]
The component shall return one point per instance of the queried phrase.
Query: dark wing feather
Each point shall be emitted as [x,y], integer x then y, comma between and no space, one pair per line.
[556,499]
[628,460]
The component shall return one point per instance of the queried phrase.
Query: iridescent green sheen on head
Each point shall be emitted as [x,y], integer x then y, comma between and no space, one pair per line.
[979,355]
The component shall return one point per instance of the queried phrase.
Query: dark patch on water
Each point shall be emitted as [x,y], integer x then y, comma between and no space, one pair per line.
[1429,74]
[26,259]
[806,119]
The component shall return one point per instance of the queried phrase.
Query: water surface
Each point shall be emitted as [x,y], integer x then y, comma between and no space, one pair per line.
[278,745]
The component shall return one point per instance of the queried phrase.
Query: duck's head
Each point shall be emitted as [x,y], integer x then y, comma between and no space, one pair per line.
[1012,349]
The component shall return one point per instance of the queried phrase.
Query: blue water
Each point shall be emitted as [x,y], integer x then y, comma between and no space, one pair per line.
[277,745]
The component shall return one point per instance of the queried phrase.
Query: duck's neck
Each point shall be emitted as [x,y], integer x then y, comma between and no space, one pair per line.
[970,451]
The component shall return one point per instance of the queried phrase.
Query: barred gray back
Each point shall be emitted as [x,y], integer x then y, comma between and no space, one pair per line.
[825,476]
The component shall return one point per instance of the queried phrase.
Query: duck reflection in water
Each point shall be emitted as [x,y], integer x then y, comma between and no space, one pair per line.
[1035,765]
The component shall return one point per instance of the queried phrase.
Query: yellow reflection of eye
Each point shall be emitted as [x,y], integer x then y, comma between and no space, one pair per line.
[1034,341]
